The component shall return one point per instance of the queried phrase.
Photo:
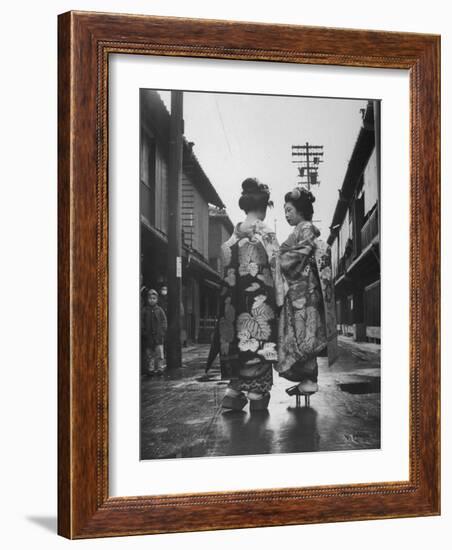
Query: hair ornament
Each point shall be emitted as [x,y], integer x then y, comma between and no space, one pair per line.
[263,188]
[252,186]
[297,193]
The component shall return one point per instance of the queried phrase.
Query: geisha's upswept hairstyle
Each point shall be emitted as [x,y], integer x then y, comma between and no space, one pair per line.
[302,200]
[255,195]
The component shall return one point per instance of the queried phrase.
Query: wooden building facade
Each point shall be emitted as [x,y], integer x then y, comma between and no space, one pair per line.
[355,239]
[201,281]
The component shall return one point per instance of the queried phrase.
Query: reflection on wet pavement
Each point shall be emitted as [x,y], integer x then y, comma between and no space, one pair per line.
[300,432]
[240,433]
[181,414]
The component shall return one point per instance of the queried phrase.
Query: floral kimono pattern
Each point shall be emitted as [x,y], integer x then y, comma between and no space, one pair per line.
[307,324]
[248,324]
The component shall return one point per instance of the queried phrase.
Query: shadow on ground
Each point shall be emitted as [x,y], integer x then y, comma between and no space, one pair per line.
[49,523]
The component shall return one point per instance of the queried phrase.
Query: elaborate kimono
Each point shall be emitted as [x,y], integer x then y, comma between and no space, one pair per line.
[247,327]
[307,324]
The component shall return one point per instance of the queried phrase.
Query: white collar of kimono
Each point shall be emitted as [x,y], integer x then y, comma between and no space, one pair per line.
[257,226]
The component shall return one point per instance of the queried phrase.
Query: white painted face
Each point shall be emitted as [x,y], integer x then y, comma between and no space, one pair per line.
[293,217]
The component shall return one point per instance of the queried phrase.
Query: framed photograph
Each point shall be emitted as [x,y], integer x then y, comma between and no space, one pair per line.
[248,263]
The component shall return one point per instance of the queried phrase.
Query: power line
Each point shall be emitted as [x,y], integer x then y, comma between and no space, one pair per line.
[310,157]
[222,125]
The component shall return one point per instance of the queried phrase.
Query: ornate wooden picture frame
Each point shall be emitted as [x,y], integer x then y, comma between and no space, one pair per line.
[86,40]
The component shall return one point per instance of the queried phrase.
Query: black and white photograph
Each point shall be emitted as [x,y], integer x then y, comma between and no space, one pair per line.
[259,274]
[225,232]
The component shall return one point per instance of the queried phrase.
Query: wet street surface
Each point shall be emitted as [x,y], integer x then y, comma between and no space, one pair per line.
[181,413]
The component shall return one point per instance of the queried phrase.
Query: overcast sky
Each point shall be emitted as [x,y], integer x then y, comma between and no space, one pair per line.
[238,136]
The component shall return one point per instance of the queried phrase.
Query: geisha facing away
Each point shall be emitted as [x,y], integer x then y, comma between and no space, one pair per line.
[248,323]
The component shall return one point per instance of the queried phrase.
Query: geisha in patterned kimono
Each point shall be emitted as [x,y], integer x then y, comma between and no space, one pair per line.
[248,317]
[307,324]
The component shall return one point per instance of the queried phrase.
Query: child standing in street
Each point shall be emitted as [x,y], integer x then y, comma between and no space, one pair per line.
[154,332]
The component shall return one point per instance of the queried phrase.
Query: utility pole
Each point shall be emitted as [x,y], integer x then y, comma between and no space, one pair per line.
[310,156]
[174,349]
